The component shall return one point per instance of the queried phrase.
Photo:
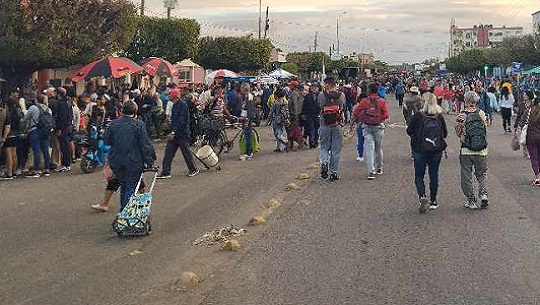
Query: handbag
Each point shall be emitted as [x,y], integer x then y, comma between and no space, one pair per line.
[523,136]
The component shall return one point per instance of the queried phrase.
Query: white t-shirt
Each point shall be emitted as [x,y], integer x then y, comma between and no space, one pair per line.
[507,102]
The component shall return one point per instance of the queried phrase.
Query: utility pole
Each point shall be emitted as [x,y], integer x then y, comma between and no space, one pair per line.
[170,5]
[266,23]
[337,35]
[260,17]
[316,41]
[142,7]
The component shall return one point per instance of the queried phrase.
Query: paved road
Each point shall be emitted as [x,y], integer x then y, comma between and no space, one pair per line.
[350,242]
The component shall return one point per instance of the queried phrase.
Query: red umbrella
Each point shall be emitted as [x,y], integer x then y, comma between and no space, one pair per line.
[159,66]
[109,66]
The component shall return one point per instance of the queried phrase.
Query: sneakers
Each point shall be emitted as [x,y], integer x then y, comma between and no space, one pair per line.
[471,205]
[33,175]
[333,177]
[433,205]
[379,171]
[422,205]
[45,174]
[164,176]
[484,201]
[194,173]
[245,157]
[7,178]
[371,176]
[360,159]
[324,170]
[63,169]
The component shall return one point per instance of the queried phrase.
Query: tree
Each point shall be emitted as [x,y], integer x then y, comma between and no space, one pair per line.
[290,67]
[244,54]
[308,62]
[40,34]
[171,39]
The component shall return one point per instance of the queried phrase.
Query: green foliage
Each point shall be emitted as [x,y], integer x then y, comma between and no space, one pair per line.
[171,39]
[239,54]
[337,65]
[470,60]
[50,34]
[290,67]
[308,62]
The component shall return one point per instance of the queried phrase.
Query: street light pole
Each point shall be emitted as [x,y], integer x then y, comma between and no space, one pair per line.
[337,32]
[170,5]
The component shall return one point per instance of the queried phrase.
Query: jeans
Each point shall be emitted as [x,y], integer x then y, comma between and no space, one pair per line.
[360,145]
[129,177]
[248,134]
[533,146]
[170,151]
[40,145]
[478,164]
[279,134]
[65,140]
[331,144]
[373,135]
[432,162]
[312,125]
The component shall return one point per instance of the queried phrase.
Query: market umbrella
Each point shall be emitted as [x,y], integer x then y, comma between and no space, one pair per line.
[209,79]
[280,73]
[159,66]
[109,66]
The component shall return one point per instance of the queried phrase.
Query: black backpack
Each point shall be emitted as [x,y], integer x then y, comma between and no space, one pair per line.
[46,122]
[431,135]
[475,132]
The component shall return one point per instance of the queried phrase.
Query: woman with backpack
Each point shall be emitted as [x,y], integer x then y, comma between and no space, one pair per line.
[37,117]
[507,103]
[428,132]
[533,139]
[471,129]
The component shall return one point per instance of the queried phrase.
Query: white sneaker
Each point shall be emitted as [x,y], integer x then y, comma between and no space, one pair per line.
[243,157]
[360,159]
[470,205]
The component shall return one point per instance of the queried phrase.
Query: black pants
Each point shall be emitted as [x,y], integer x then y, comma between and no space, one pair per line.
[506,116]
[400,99]
[65,140]
[170,151]
[311,126]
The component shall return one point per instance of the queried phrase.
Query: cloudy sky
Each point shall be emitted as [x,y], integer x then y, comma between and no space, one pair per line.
[395,31]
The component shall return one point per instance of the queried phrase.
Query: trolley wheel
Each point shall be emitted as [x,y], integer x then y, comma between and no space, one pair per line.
[148,227]
[87,166]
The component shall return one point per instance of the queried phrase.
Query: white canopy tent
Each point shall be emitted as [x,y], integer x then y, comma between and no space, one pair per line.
[280,73]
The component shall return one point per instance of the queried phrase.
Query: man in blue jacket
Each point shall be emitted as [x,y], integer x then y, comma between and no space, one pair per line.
[180,135]
[131,150]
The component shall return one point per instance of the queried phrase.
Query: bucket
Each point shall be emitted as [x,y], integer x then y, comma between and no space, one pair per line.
[207,156]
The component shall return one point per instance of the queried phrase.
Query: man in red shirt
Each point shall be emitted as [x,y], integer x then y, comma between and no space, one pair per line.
[371,112]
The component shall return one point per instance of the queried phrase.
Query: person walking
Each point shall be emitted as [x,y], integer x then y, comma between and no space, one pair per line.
[359,131]
[371,112]
[533,139]
[428,132]
[280,121]
[507,103]
[247,114]
[180,135]
[471,129]
[310,115]
[131,150]
[332,103]
[400,93]
[522,118]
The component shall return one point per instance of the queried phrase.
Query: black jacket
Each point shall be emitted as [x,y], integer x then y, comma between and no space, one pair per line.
[64,115]
[311,105]
[416,124]
[130,144]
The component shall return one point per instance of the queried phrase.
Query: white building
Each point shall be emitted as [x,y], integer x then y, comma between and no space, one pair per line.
[536,18]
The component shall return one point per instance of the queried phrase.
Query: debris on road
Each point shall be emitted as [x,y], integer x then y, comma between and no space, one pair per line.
[134,253]
[292,187]
[190,279]
[255,221]
[302,176]
[220,235]
[313,166]
[272,204]
[230,245]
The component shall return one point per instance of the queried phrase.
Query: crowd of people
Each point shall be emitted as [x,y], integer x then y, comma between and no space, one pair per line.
[46,126]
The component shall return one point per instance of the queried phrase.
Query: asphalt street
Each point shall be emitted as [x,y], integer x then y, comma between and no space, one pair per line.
[349,242]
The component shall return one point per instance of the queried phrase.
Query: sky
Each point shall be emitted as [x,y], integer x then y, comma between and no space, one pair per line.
[395,31]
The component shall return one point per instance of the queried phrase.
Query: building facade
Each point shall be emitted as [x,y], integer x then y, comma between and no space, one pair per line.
[536,19]
[479,37]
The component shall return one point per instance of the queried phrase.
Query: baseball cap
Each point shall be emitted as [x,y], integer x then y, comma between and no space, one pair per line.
[174,93]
